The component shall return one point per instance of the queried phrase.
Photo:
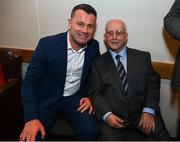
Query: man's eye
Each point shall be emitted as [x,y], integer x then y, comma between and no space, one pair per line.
[80,24]
[91,26]
[110,33]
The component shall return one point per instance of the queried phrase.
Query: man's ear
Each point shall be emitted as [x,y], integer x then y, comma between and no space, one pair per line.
[104,39]
[105,42]
[126,37]
[69,23]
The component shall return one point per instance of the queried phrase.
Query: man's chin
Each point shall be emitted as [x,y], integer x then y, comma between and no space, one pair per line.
[115,47]
[82,44]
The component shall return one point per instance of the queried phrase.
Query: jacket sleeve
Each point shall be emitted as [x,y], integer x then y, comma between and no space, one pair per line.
[31,81]
[153,86]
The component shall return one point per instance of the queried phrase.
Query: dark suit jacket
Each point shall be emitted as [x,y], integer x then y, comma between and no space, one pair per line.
[172,25]
[172,20]
[44,81]
[175,82]
[106,91]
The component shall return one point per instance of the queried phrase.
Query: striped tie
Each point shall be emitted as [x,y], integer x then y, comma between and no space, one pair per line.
[122,73]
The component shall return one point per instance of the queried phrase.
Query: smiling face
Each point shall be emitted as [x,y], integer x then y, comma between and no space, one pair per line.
[116,36]
[81,28]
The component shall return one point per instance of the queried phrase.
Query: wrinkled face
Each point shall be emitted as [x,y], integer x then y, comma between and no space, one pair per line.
[81,28]
[116,36]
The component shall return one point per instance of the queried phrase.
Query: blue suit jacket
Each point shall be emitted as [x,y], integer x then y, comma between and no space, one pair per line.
[44,81]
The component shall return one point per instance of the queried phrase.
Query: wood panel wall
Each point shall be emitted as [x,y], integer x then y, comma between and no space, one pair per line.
[164,69]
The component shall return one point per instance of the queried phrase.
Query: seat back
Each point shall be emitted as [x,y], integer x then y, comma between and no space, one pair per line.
[11,61]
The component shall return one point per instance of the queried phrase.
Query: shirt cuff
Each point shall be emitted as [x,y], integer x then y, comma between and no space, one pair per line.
[105,116]
[149,110]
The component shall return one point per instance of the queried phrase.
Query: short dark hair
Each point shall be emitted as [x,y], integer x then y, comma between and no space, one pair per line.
[85,7]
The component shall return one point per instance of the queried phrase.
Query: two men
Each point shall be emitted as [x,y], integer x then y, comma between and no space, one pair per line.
[55,80]
[125,92]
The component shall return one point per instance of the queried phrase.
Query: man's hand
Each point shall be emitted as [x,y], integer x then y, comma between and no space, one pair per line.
[147,122]
[31,129]
[85,104]
[114,121]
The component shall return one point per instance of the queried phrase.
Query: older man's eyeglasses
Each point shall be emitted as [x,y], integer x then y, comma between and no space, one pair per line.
[115,33]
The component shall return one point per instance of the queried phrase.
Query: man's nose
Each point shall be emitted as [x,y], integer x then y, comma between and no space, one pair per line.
[114,35]
[85,29]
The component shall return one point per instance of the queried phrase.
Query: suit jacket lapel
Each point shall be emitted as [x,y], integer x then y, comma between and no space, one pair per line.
[62,55]
[130,69]
[86,66]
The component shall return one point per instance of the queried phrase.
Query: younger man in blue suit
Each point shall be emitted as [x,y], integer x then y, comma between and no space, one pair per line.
[56,79]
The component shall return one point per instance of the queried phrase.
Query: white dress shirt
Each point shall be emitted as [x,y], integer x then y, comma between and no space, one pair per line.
[75,61]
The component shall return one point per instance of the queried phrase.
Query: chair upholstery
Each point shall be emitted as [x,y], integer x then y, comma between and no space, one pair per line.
[10,103]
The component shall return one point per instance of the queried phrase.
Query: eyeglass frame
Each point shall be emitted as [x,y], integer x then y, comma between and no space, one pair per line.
[116,33]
